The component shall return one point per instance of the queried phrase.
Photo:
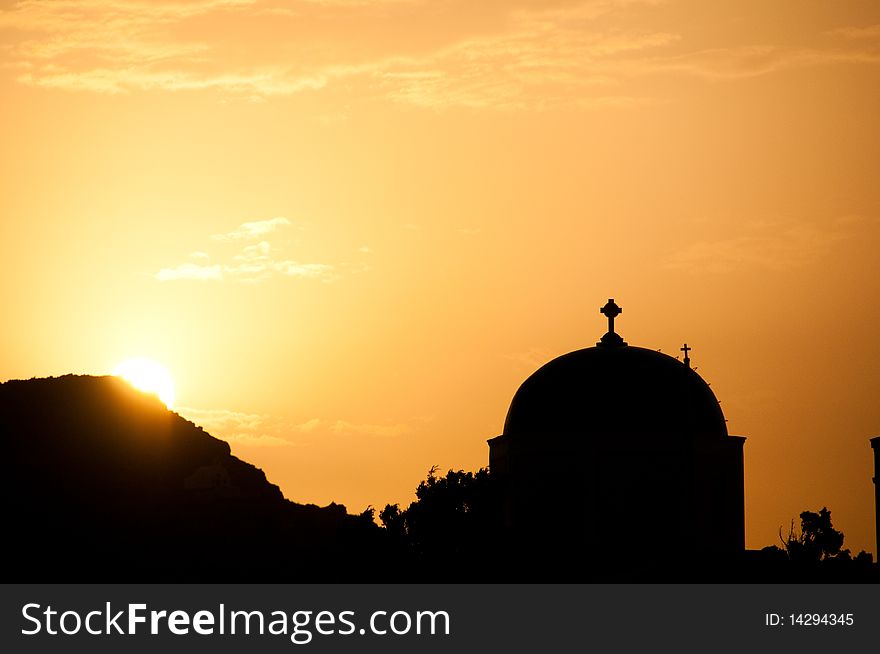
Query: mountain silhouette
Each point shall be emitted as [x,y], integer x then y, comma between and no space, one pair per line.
[107,484]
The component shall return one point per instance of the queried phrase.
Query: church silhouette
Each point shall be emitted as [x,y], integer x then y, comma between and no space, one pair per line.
[618,456]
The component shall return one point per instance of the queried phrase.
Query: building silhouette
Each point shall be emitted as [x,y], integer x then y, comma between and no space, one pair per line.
[875,445]
[616,453]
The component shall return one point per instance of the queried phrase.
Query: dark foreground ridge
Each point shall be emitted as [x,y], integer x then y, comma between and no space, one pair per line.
[107,485]
[102,483]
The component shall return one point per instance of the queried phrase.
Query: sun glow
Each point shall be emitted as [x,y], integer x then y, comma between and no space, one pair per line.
[148,376]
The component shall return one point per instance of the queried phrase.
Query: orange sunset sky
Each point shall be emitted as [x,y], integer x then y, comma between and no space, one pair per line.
[351,228]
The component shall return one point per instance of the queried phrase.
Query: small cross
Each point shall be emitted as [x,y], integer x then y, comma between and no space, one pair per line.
[687,360]
[612,311]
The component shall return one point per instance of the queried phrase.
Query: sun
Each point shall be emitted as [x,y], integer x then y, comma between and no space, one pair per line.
[148,376]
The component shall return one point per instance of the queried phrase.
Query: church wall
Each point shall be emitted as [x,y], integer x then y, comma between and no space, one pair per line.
[629,500]
[735,501]
[718,496]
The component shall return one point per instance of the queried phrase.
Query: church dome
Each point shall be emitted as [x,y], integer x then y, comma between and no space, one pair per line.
[615,389]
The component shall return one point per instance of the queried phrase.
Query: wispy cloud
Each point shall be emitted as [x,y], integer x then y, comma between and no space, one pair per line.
[253,229]
[237,427]
[255,85]
[531,359]
[321,271]
[540,61]
[254,429]
[252,262]
[746,61]
[347,428]
[380,430]
[117,46]
[521,54]
[765,246]
[868,32]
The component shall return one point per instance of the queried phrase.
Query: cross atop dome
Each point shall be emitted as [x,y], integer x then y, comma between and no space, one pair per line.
[687,359]
[611,311]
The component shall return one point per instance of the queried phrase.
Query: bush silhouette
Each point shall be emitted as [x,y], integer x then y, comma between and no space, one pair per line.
[452,525]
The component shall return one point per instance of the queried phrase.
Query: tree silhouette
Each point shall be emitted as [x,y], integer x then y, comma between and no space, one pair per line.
[817,540]
[814,552]
[453,523]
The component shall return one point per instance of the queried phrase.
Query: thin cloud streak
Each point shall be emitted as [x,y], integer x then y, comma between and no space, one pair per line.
[539,64]
[253,429]
[190,271]
[254,262]
[253,229]
[746,61]
[236,427]
[869,32]
[769,247]
[382,431]
[248,272]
